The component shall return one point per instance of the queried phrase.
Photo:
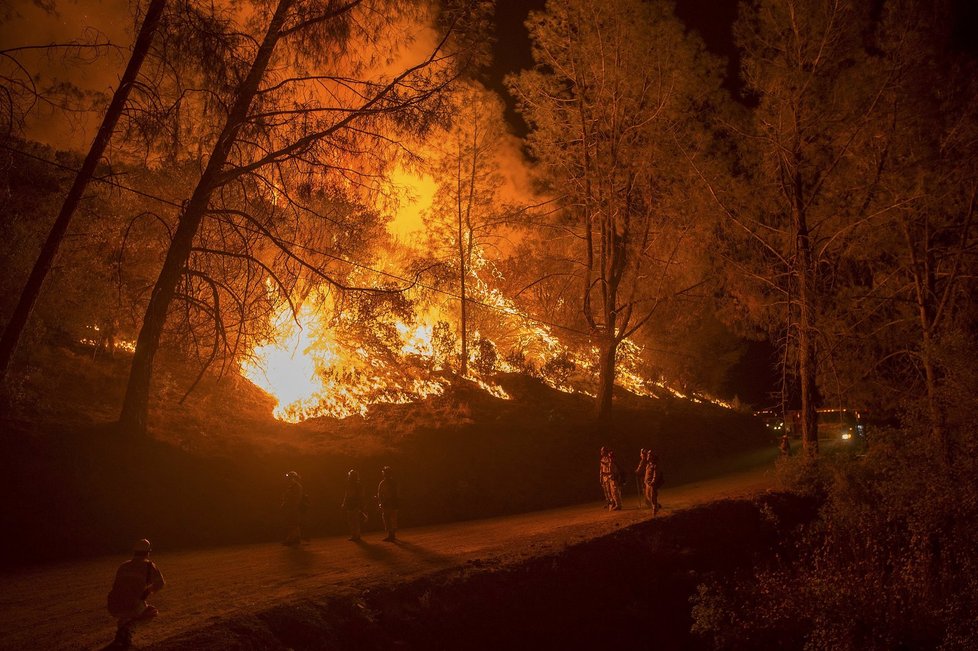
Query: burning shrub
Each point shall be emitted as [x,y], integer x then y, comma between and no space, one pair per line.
[559,368]
[444,345]
[485,356]
[520,363]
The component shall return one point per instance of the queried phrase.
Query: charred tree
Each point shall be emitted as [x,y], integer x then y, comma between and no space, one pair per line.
[133,417]
[463,215]
[466,212]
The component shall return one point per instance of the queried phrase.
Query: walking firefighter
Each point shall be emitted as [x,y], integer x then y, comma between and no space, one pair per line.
[610,474]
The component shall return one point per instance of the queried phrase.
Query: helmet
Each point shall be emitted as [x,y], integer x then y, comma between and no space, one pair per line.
[604,450]
[386,470]
[292,474]
[353,474]
[142,547]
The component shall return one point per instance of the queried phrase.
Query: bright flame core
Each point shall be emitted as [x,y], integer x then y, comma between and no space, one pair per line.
[310,375]
[287,367]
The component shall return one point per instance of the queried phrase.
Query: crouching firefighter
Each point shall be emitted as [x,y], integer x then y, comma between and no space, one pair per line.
[135,581]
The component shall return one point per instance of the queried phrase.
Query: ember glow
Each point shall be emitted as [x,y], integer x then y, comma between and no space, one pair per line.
[94,338]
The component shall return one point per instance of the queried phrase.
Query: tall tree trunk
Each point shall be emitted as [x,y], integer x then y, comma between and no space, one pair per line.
[925,294]
[606,378]
[462,266]
[28,297]
[133,417]
[806,327]
[807,376]
[938,428]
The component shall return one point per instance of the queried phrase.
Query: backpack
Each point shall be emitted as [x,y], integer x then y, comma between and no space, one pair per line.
[658,478]
[304,502]
[126,592]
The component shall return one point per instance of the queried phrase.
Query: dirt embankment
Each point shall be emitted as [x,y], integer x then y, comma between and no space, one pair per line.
[91,486]
[631,589]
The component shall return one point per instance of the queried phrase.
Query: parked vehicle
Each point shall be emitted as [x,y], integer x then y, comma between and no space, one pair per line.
[773,421]
[842,425]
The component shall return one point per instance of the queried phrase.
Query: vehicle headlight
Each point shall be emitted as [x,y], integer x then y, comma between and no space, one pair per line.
[846,436]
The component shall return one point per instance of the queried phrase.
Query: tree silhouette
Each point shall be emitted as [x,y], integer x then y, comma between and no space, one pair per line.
[466,214]
[289,124]
[608,102]
[804,193]
[18,319]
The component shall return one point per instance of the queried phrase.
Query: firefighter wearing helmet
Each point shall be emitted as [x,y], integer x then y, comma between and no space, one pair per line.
[135,581]
[610,476]
[389,501]
[294,504]
[653,480]
[353,505]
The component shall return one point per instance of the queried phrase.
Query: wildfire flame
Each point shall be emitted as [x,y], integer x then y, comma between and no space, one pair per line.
[95,339]
[311,375]
[311,372]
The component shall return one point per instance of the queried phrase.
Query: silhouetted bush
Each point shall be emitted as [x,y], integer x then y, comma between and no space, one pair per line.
[485,356]
[892,561]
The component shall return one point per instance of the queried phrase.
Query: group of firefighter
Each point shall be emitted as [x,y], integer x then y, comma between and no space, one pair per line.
[139,577]
[648,478]
[295,503]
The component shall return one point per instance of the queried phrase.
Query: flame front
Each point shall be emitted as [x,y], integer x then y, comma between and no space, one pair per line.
[287,366]
[311,370]
[311,373]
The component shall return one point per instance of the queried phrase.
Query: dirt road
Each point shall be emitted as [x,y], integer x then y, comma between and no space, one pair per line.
[63,606]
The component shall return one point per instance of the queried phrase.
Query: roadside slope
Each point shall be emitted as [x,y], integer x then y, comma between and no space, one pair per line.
[459,456]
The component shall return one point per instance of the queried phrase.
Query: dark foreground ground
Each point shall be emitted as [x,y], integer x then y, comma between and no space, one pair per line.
[551,579]
[627,590]
[487,487]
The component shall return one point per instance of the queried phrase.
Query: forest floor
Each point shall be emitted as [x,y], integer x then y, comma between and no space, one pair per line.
[331,592]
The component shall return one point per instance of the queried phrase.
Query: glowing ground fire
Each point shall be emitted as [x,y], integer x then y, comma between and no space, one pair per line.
[309,374]
[312,370]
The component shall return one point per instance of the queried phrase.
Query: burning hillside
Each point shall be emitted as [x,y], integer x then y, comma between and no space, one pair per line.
[330,360]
